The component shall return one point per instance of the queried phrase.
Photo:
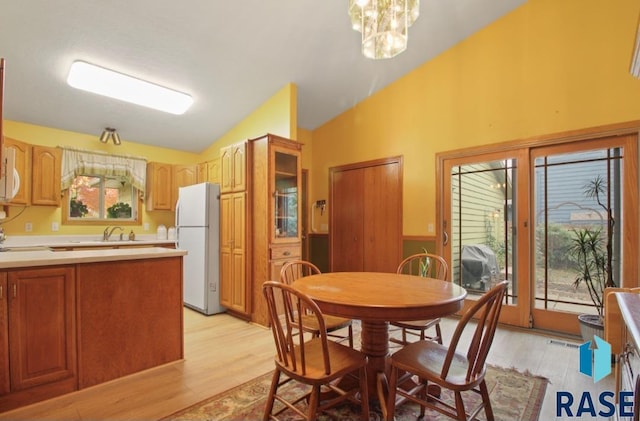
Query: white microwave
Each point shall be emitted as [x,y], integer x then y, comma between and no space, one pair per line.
[9,177]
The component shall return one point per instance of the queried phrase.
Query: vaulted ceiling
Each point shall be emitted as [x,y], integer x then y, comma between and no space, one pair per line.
[230,56]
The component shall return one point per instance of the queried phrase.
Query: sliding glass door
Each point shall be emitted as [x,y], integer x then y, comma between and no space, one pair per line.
[482,195]
[516,214]
[582,193]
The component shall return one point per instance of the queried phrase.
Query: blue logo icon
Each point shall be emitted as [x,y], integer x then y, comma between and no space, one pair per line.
[595,362]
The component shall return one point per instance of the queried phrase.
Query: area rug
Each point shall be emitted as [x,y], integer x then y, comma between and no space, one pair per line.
[514,396]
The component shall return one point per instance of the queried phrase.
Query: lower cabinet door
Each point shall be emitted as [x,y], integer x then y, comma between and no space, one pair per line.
[42,326]
[4,336]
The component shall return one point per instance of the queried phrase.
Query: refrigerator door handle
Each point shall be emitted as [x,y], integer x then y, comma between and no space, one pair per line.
[177,225]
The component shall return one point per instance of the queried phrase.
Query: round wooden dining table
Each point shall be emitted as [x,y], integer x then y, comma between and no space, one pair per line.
[378,298]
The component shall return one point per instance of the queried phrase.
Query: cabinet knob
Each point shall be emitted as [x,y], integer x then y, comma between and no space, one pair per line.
[286,253]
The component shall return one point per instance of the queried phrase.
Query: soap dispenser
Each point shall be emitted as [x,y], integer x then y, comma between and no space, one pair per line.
[132,236]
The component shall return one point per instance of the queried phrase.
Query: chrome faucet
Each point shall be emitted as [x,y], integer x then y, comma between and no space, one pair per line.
[107,233]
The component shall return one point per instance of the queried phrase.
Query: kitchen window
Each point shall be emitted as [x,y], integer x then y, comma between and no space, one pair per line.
[100,188]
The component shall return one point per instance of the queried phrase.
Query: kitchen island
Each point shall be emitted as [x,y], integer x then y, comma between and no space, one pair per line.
[73,319]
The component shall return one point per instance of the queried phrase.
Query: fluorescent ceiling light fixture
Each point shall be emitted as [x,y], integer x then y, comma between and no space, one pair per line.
[99,80]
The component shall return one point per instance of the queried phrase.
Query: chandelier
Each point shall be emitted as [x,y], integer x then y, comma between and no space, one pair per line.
[384,25]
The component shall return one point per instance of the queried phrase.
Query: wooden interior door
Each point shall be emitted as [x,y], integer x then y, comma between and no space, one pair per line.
[365,217]
[346,221]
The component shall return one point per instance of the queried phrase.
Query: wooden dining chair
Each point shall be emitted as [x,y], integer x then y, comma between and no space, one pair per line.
[296,269]
[451,367]
[429,266]
[317,362]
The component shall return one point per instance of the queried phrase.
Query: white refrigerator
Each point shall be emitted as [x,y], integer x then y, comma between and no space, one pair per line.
[197,230]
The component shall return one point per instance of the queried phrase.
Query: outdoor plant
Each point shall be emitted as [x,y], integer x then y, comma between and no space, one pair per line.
[77,209]
[119,210]
[593,252]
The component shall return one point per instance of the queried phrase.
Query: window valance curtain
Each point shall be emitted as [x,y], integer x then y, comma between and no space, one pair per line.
[78,162]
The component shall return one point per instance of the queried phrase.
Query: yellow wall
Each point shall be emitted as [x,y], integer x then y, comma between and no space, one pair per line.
[305,137]
[278,115]
[547,67]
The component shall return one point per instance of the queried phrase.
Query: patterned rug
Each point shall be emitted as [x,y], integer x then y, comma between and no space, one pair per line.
[514,396]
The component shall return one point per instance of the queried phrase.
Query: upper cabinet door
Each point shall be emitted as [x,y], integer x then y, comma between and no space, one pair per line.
[233,168]
[183,175]
[46,176]
[213,171]
[158,194]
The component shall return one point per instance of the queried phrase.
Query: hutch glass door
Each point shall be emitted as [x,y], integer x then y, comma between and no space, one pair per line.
[286,195]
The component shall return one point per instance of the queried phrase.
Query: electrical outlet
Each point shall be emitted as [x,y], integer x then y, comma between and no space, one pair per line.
[55,226]
[145,226]
[28,226]
[430,228]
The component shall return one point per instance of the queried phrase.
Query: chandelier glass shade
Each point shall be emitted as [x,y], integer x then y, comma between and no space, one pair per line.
[384,25]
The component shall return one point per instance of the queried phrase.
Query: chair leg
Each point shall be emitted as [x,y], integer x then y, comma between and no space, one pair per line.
[275,380]
[364,394]
[462,415]
[439,333]
[314,401]
[484,392]
[404,336]
[391,398]
[350,336]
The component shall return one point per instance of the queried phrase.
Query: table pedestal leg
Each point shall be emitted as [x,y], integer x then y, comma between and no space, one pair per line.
[375,344]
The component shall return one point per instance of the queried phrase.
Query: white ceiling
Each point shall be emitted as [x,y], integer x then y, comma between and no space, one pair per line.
[230,56]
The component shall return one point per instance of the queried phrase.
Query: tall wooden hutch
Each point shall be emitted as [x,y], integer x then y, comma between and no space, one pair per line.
[260,219]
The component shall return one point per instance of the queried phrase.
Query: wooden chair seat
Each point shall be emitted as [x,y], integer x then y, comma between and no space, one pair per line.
[343,360]
[450,367]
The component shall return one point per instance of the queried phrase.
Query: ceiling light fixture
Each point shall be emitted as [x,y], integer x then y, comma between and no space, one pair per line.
[99,80]
[384,25]
[110,133]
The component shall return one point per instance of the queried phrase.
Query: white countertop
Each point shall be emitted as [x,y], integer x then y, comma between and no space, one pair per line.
[78,241]
[24,259]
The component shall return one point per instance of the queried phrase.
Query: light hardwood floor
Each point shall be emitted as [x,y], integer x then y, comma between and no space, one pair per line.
[222,351]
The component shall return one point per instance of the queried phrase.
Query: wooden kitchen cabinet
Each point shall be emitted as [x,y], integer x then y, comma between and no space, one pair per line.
[23,165]
[233,168]
[213,171]
[4,336]
[182,175]
[41,310]
[260,225]
[202,174]
[158,194]
[46,172]
[233,253]
[209,171]
[130,317]
[276,174]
